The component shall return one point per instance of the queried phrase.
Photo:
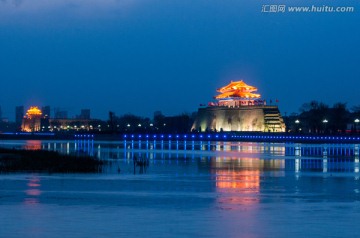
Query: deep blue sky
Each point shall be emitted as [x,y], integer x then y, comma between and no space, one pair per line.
[139,56]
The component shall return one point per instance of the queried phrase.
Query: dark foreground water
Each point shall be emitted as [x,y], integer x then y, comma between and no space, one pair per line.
[199,189]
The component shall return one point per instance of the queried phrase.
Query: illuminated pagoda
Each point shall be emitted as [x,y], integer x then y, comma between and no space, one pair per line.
[237,89]
[238,94]
[239,108]
[32,120]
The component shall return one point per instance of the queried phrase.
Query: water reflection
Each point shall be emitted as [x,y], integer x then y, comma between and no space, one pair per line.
[142,163]
[33,191]
[238,187]
[238,180]
[85,146]
[33,145]
[324,158]
[320,150]
[324,165]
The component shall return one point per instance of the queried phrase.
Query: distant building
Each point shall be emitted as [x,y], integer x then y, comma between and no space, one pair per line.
[46,111]
[60,114]
[19,115]
[3,119]
[84,114]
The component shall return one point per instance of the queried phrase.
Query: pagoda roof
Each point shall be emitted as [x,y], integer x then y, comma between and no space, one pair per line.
[238,89]
[238,85]
[33,112]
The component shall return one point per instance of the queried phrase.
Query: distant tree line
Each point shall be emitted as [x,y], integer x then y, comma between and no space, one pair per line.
[129,123]
[317,117]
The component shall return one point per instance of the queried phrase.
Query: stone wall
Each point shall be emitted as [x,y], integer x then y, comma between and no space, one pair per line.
[252,118]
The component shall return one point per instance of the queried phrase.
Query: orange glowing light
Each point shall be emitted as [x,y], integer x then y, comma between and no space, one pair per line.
[247,181]
[237,89]
[238,187]
[33,145]
[33,112]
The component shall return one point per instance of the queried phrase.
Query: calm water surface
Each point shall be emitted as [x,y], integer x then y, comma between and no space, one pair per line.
[199,189]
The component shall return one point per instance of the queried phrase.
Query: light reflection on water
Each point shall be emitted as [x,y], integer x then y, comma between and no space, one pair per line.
[33,191]
[206,189]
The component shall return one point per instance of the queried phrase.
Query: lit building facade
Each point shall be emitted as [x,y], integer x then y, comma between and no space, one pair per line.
[31,122]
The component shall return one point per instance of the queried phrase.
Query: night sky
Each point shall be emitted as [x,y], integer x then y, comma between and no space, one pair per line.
[140,56]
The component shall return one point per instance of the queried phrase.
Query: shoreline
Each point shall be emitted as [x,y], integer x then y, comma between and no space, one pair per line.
[44,161]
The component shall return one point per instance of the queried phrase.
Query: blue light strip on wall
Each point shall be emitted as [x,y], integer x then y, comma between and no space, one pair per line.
[247,137]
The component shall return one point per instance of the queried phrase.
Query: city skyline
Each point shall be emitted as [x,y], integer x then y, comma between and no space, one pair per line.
[139,57]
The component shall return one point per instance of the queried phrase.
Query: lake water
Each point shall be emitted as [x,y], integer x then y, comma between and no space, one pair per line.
[192,189]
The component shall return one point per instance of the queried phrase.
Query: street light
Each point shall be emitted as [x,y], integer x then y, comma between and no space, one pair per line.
[297,124]
[356,123]
[325,122]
